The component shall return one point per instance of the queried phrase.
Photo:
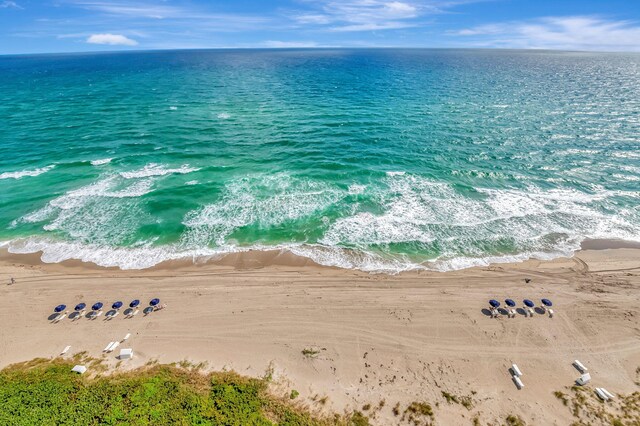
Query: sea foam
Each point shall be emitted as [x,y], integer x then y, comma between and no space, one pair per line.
[25,173]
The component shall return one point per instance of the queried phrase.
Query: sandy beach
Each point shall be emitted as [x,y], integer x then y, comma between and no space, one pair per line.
[369,338]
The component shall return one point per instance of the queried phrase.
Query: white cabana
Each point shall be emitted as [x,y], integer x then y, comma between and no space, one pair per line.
[126,353]
[80,369]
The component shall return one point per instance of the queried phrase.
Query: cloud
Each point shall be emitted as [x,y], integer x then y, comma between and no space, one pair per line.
[566,32]
[371,15]
[289,44]
[111,39]
[7,4]
[362,15]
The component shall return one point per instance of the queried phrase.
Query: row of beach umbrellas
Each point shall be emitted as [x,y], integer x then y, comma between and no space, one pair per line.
[98,305]
[528,303]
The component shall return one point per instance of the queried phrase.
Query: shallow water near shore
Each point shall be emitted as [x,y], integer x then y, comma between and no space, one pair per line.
[379,160]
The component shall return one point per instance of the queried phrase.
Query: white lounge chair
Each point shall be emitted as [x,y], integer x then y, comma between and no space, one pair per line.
[114,346]
[580,366]
[65,350]
[530,312]
[108,347]
[126,337]
[60,318]
[516,370]
[607,393]
[584,379]
[512,313]
[601,394]
[99,313]
[135,313]
[550,313]
[518,382]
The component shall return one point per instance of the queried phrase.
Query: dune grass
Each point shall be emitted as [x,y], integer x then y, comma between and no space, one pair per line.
[43,392]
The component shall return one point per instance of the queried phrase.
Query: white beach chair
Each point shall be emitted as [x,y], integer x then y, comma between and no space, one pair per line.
[518,382]
[65,350]
[126,337]
[99,313]
[584,379]
[516,370]
[530,312]
[580,366]
[550,313]
[114,346]
[60,318]
[512,313]
[601,394]
[135,313]
[607,393]
[106,349]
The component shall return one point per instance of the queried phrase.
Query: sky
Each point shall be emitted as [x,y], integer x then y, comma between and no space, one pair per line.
[49,26]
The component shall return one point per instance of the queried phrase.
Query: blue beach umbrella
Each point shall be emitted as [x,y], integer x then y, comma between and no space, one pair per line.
[494,303]
[547,302]
[117,305]
[80,306]
[510,302]
[96,306]
[154,302]
[528,303]
[134,303]
[60,308]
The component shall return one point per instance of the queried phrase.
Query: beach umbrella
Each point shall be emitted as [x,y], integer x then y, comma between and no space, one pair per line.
[80,306]
[528,303]
[510,302]
[60,308]
[494,303]
[96,306]
[547,302]
[134,303]
[154,302]
[117,305]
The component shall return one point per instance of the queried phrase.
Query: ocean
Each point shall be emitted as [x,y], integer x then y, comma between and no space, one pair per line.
[380,160]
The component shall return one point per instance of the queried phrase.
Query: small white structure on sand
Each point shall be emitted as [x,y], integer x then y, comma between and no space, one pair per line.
[516,370]
[518,382]
[80,369]
[580,366]
[584,379]
[126,354]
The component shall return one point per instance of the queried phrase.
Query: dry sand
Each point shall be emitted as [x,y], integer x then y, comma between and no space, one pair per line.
[400,338]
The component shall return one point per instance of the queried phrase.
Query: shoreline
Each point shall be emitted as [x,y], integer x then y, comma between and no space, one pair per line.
[399,338]
[257,259]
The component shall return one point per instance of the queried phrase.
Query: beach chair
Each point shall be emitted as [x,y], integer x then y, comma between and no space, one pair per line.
[106,349]
[65,350]
[584,379]
[607,393]
[512,312]
[550,313]
[580,366]
[135,313]
[99,313]
[601,394]
[60,318]
[518,382]
[126,337]
[516,370]
[530,312]
[114,346]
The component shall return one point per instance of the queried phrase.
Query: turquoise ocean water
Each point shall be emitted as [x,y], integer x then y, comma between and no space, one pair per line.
[381,160]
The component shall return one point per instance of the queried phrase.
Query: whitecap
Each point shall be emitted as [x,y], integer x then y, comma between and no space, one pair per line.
[154,169]
[24,173]
[101,161]
[224,116]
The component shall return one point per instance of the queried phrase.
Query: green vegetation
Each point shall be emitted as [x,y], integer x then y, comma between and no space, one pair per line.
[416,411]
[465,401]
[294,394]
[310,352]
[515,421]
[43,392]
